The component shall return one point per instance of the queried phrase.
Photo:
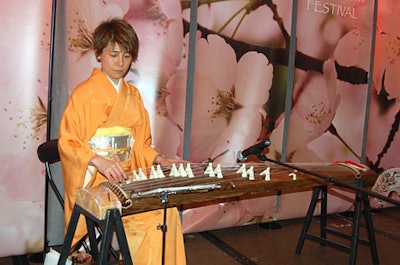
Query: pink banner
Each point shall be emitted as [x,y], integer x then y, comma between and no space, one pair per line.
[25,31]
[240,91]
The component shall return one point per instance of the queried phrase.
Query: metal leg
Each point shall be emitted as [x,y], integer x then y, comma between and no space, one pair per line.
[362,206]
[123,243]
[112,222]
[106,240]
[92,238]
[324,206]
[356,228]
[370,228]
[361,201]
[69,236]
[164,200]
[309,216]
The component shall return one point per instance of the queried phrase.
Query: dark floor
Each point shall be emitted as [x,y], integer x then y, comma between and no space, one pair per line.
[255,245]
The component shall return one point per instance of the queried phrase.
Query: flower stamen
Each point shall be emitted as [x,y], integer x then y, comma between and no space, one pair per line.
[318,114]
[226,104]
[83,41]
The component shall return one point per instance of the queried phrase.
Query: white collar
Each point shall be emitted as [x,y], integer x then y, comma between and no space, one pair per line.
[116,86]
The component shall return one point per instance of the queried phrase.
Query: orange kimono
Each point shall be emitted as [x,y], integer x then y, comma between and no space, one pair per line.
[95,104]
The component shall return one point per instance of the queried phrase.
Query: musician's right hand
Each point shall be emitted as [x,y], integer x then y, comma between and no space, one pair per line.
[111,169]
[163,161]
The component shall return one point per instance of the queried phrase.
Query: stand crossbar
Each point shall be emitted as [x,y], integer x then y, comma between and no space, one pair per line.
[100,254]
[320,194]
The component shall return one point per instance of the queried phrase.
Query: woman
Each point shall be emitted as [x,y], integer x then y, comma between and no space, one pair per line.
[105,107]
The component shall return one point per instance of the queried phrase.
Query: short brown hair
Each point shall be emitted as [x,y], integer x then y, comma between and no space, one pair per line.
[115,31]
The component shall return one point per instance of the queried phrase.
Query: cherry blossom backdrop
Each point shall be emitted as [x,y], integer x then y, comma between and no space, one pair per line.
[296,72]
[24,51]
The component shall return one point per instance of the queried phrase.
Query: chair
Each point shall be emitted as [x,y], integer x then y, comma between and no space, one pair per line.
[48,154]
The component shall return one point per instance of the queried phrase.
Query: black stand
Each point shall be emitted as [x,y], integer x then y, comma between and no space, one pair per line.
[164,200]
[112,222]
[320,193]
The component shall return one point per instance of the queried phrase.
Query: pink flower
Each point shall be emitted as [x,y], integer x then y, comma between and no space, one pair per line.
[226,116]
[317,108]
[238,20]
[255,22]
[160,31]
[312,113]
[388,58]
[354,49]
[381,120]
[82,21]
[166,136]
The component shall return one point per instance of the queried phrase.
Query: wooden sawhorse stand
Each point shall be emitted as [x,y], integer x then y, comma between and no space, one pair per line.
[320,193]
[112,222]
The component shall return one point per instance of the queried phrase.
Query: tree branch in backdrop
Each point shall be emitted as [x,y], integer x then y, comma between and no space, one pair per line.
[352,74]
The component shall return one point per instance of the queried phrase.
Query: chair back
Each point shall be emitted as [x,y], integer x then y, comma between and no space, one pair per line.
[48,152]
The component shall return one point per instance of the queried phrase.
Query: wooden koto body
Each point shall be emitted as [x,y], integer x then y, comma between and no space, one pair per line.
[201,189]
